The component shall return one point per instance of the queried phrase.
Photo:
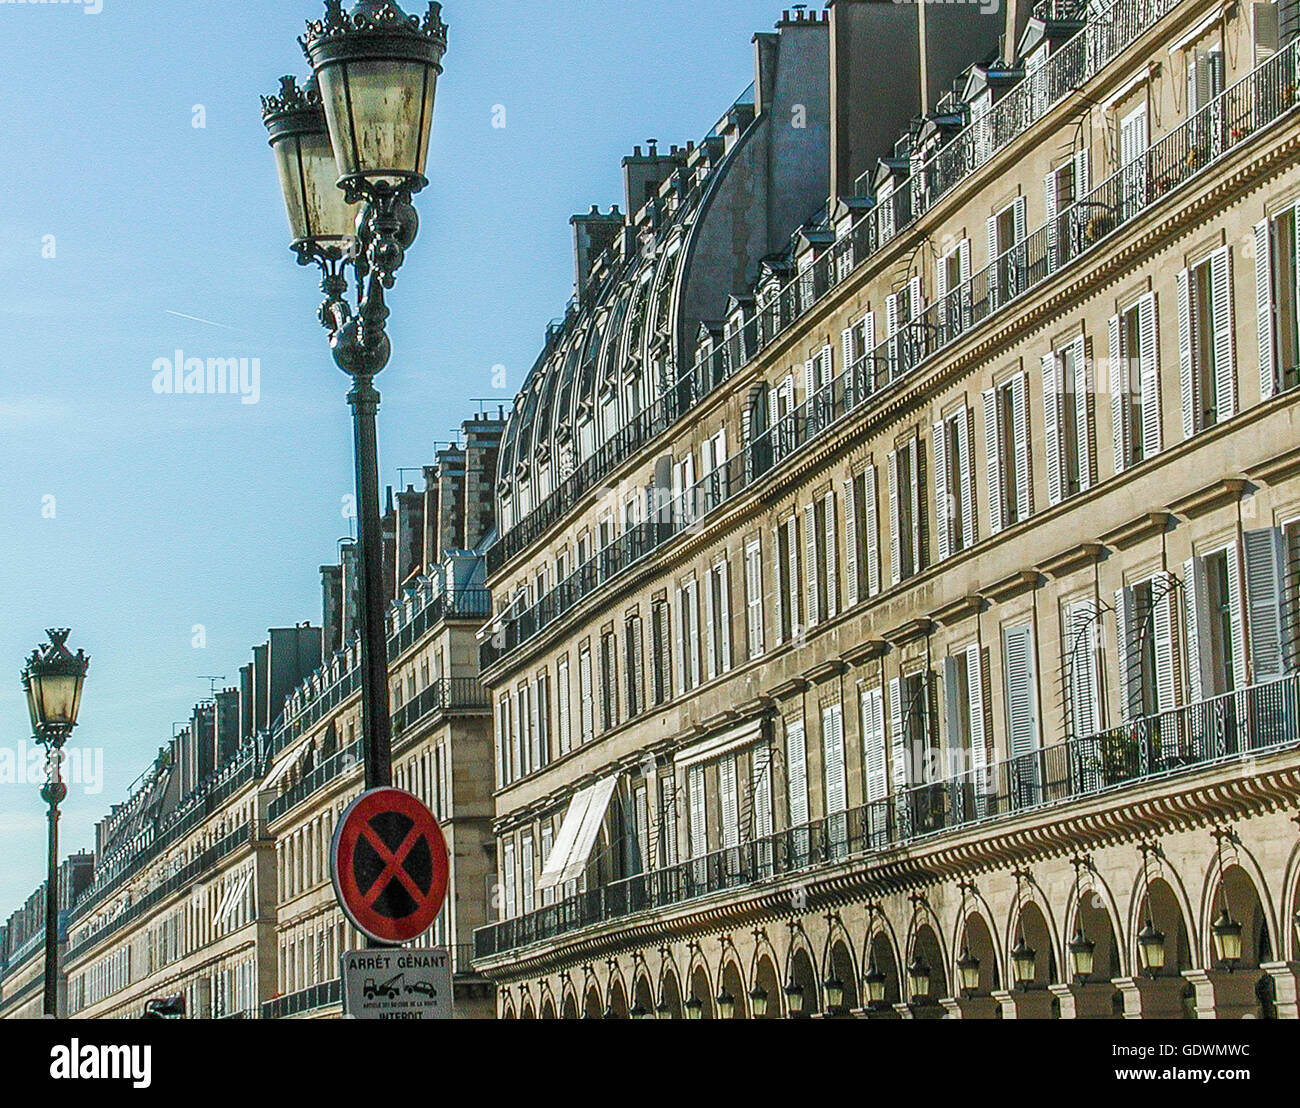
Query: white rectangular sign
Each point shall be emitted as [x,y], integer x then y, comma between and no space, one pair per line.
[397,984]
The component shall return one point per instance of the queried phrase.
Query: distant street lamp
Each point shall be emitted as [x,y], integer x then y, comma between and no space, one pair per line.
[352,146]
[54,678]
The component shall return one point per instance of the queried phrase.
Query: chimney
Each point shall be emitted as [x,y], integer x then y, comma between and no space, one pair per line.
[593,234]
[409,542]
[226,724]
[643,173]
[351,621]
[388,525]
[430,555]
[331,581]
[482,446]
[451,488]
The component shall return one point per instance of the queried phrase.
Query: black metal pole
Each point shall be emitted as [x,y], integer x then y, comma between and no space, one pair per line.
[53,794]
[376,722]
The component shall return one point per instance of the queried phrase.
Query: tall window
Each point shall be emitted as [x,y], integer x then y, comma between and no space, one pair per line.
[719,630]
[1205,341]
[787,578]
[754,597]
[1277,280]
[662,652]
[1135,383]
[633,667]
[563,717]
[1006,443]
[1144,614]
[861,537]
[1216,633]
[907,510]
[608,681]
[954,484]
[586,694]
[1067,410]
[688,636]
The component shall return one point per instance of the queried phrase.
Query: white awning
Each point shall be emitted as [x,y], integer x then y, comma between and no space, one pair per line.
[573,845]
[738,738]
[283,767]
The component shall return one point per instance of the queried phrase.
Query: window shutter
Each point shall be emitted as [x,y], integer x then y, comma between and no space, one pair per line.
[1124,629]
[832,557]
[993,455]
[792,543]
[666,660]
[1050,196]
[810,564]
[850,543]
[762,792]
[1020,405]
[1237,615]
[1119,381]
[724,617]
[1084,691]
[992,227]
[846,345]
[898,775]
[730,802]
[699,826]
[1225,364]
[796,760]
[713,618]
[508,864]
[1186,366]
[1019,216]
[1197,619]
[891,326]
[966,470]
[1082,175]
[952,704]
[837,799]
[810,378]
[1085,425]
[943,512]
[1265,575]
[562,704]
[535,727]
[920,507]
[941,280]
[1166,673]
[872,527]
[976,676]
[895,536]
[1052,389]
[1264,308]
[778,605]
[828,365]
[1149,372]
[1022,703]
[873,745]
[754,596]
[683,673]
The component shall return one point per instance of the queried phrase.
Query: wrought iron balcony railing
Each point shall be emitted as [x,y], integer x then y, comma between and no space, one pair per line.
[1109,30]
[1256,720]
[1234,117]
[328,994]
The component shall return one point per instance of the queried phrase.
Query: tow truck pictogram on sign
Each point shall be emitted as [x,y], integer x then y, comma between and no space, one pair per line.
[389,865]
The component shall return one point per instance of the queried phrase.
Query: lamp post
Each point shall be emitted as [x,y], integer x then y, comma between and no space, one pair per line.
[352,146]
[54,678]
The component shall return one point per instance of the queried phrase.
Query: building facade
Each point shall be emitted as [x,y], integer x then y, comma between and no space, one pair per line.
[897,606]
[211,882]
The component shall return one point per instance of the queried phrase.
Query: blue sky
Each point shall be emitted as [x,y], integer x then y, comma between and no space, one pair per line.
[133,517]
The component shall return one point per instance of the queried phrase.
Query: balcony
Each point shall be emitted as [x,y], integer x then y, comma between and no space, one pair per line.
[328,994]
[1235,117]
[1109,32]
[1254,721]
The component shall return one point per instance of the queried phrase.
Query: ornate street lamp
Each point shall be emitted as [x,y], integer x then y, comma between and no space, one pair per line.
[663,1011]
[968,971]
[875,982]
[370,102]
[758,1002]
[641,1012]
[1151,949]
[918,979]
[1083,955]
[726,1004]
[1024,958]
[53,679]
[694,1008]
[794,998]
[1227,939]
[834,993]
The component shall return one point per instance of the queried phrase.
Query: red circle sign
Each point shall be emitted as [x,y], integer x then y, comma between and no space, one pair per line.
[389,864]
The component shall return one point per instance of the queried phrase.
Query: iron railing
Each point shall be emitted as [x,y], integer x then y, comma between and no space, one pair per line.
[1254,720]
[1108,32]
[328,994]
[1238,114]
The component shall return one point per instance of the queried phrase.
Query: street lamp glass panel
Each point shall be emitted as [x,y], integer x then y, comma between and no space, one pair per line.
[1151,949]
[834,994]
[1083,954]
[875,983]
[54,678]
[1025,961]
[381,114]
[1227,938]
[968,968]
[758,1002]
[726,1005]
[918,978]
[694,1008]
[794,999]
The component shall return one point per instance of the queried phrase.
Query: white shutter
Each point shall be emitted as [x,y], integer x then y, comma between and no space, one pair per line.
[1084,691]
[891,327]
[873,745]
[1225,363]
[1085,431]
[1020,219]
[1197,622]
[1166,673]
[1022,700]
[796,760]
[1020,405]
[919,505]
[1052,414]
[846,346]
[837,799]
[993,454]
[1082,175]
[562,701]
[872,528]
[963,263]
[828,365]
[810,378]
[941,279]
[529,874]
[1124,648]
[952,704]
[508,865]
[1264,308]
[683,673]
[899,775]
[754,596]
[1050,196]
[1265,577]
[724,644]
[1149,372]
[1119,382]
[942,494]
[535,725]
[852,594]
[792,543]
[778,606]
[832,557]
[730,797]
[975,677]
[895,536]
[762,792]
[713,630]
[699,826]
[992,227]
[1186,364]
[1237,615]
[810,564]
[966,470]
